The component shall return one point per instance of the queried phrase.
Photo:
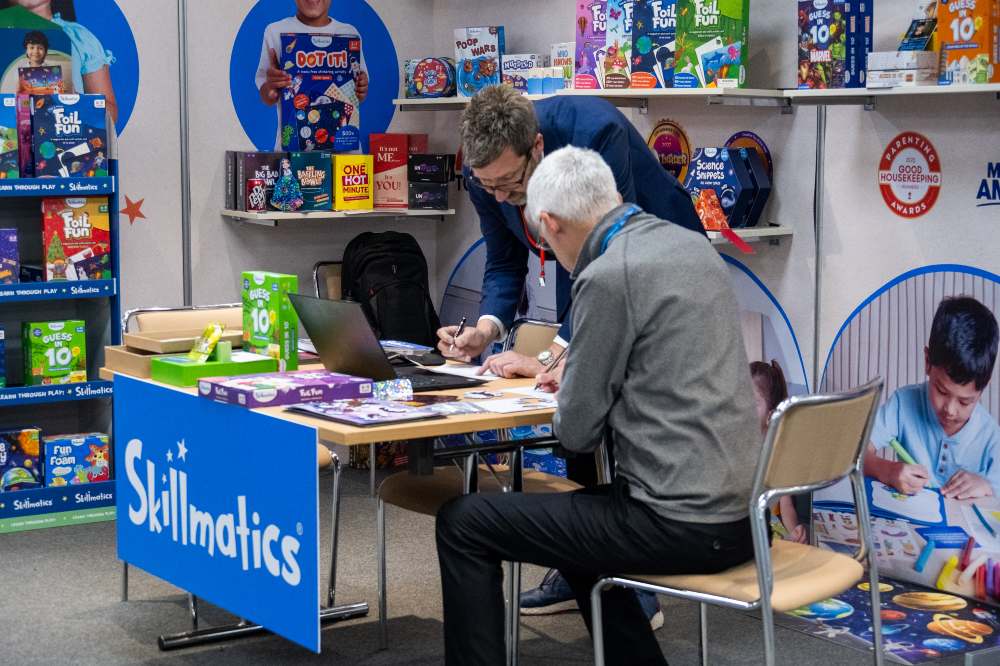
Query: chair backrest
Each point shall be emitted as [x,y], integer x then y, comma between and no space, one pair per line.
[327,279]
[815,440]
[184,318]
[531,337]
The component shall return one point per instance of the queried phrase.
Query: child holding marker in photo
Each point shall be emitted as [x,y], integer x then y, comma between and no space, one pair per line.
[943,438]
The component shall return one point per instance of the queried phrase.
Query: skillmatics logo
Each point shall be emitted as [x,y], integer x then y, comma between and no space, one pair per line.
[909,175]
[162,503]
[989,189]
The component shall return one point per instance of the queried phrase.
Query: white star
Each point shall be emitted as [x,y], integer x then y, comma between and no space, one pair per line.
[170,455]
[182,451]
[164,479]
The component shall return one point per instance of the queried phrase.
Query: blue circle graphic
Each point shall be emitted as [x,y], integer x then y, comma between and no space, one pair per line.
[105,19]
[259,121]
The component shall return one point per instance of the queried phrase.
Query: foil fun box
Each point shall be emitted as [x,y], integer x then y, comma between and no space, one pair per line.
[284,388]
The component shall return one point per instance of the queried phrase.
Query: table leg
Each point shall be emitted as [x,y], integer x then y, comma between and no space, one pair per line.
[124,581]
[371,468]
[514,607]
[420,456]
[335,524]
[193,609]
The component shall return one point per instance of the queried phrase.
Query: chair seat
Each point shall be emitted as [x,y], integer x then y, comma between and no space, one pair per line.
[427,494]
[802,575]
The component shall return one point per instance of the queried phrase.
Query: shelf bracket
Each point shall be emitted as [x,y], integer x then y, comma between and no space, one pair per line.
[644,106]
[870,103]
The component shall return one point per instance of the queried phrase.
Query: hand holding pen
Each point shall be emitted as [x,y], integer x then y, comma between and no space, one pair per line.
[542,381]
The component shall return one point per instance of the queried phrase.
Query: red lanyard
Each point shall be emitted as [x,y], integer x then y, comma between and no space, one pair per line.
[535,244]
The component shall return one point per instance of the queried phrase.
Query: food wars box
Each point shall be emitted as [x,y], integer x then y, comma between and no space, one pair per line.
[517,67]
[314,171]
[712,43]
[429,77]
[270,324]
[55,352]
[69,138]
[591,43]
[969,38]
[654,43]
[352,182]
[20,467]
[562,55]
[8,137]
[822,44]
[284,388]
[10,264]
[722,170]
[76,238]
[73,460]
[321,110]
[618,43]
[389,155]
[256,167]
[477,58]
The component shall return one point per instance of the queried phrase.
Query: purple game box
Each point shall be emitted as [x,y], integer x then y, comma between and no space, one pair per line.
[284,388]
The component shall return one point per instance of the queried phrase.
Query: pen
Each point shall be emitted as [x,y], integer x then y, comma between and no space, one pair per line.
[553,363]
[982,519]
[461,327]
[902,453]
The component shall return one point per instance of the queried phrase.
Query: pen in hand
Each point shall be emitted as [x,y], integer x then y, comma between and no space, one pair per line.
[461,328]
[552,364]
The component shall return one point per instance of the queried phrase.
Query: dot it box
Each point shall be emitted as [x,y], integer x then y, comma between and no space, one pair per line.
[69,138]
[822,44]
[73,460]
[8,137]
[10,258]
[321,110]
[258,166]
[284,388]
[55,352]
[20,467]
[477,58]
[712,43]
[654,43]
[270,324]
[314,171]
[74,230]
[353,182]
[722,170]
[591,43]
[969,38]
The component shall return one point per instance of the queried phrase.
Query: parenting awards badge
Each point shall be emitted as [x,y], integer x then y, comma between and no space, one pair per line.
[672,147]
[909,175]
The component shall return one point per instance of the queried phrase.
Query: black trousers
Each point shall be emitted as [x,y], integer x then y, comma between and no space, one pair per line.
[584,534]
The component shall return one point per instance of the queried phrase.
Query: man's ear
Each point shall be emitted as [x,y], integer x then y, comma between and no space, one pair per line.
[549,224]
[539,147]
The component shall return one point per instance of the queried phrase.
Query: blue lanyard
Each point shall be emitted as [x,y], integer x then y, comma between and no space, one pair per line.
[616,228]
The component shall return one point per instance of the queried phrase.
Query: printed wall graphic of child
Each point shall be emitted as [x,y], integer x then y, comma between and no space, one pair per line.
[951,438]
[769,389]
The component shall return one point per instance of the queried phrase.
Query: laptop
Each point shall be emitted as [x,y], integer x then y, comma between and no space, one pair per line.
[346,343]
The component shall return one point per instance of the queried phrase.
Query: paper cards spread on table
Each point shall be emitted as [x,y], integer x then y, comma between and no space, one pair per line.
[366,412]
[514,405]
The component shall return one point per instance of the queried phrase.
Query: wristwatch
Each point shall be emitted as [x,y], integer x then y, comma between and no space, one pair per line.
[545,357]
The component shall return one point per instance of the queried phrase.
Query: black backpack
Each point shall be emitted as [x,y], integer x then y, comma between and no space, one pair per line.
[387,273]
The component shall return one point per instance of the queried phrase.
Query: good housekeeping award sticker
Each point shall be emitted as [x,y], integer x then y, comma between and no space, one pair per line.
[909,175]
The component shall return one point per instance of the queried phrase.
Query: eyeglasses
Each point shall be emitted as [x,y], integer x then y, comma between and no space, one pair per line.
[507,186]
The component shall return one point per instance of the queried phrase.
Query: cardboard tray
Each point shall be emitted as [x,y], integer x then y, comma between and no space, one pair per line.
[132,362]
[174,342]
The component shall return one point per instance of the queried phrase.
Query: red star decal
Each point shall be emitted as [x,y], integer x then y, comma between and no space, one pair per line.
[133,210]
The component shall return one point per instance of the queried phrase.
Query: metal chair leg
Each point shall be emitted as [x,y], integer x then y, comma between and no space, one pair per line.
[515,612]
[767,619]
[510,608]
[193,609]
[124,581]
[703,625]
[332,585]
[371,470]
[597,622]
[383,618]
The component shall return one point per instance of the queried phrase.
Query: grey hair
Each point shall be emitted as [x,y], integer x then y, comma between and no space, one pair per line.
[497,118]
[574,184]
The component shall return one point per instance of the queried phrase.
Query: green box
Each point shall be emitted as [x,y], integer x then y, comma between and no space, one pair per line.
[713,43]
[182,371]
[270,324]
[55,352]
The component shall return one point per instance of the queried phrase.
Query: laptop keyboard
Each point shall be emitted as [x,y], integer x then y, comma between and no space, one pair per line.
[428,381]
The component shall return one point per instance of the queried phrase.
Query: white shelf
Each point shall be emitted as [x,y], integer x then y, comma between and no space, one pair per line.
[442,103]
[272,218]
[859,95]
[772,234]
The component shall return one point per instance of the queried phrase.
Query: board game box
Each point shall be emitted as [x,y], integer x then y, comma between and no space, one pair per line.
[314,171]
[20,467]
[591,43]
[321,110]
[654,43]
[822,44]
[516,68]
[859,18]
[55,352]
[428,196]
[431,168]
[618,44]
[712,43]
[429,77]
[8,137]
[562,57]
[477,58]
[389,154]
[256,166]
[969,38]
[73,460]
[69,138]
[3,358]
[25,156]
[270,324]
[45,80]
[10,258]
[761,180]
[284,388]
[720,169]
[352,182]
[75,230]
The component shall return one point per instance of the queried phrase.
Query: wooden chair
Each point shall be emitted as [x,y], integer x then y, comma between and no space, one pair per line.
[812,442]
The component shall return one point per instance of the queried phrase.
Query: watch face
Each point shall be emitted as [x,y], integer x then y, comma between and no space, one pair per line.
[545,356]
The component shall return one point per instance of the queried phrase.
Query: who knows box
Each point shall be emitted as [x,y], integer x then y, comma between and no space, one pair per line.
[270,324]
[352,182]
[8,137]
[55,352]
[314,171]
[72,460]
[477,58]
[562,57]
[76,238]
[969,37]
[69,138]
[712,43]
[389,155]
[20,467]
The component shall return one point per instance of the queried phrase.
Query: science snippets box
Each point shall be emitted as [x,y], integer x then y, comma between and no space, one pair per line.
[478,52]
[20,467]
[353,183]
[712,43]
[72,460]
[321,110]
[284,388]
[722,170]
[429,77]
[69,138]
[75,230]
[10,258]
[260,167]
[822,44]
[314,172]
[55,352]
[270,324]
[8,137]
[591,43]
[969,38]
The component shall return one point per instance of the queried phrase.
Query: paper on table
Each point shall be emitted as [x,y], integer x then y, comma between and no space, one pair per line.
[978,532]
[532,392]
[306,345]
[514,405]
[460,370]
[924,506]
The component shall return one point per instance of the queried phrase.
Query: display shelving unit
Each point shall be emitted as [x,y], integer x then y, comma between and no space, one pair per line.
[79,407]
[273,218]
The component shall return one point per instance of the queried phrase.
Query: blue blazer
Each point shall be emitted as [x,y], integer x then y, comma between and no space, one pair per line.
[585,122]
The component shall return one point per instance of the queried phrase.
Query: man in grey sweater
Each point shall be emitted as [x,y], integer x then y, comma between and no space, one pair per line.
[657,367]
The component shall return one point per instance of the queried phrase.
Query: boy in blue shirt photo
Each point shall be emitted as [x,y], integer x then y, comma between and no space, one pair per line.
[952,440]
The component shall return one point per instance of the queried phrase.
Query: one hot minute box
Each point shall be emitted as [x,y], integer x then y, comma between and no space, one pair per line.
[284,388]
[352,182]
